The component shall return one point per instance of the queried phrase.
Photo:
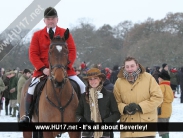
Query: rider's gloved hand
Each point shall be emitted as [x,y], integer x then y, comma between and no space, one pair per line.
[46,71]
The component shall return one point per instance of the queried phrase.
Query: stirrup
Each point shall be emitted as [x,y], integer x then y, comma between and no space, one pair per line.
[24,117]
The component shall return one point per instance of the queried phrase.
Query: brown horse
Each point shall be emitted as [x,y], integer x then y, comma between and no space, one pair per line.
[58,100]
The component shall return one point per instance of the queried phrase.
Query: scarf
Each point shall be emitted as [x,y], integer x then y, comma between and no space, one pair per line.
[131,77]
[166,83]
[95,114]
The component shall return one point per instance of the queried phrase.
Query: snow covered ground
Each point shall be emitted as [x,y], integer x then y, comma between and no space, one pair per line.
[177,116]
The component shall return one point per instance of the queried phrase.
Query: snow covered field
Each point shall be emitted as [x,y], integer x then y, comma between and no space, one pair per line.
[177,116]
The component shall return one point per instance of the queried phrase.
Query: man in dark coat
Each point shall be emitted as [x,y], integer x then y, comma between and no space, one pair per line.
[114,74]
[13,91]
[6,95]
[156,73]
[21,81]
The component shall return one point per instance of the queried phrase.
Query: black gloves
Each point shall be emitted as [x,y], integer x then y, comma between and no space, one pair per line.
[82,120]
[132,108]
[41,69]
[126,109]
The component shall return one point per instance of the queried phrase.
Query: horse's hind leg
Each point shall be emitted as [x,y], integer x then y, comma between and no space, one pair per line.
[27,134]
[38,134]
[35,134]
[74,134]
[48,134]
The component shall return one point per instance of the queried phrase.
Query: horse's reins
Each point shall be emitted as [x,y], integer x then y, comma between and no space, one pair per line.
[63,82]
[60,107]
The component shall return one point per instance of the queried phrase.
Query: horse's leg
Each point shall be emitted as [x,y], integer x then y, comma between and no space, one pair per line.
[22,106]
[27,134]
[41,134]
[48,135]
[35,134]
[38,134]
[74,134]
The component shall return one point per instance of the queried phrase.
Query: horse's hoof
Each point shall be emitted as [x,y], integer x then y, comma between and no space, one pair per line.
[26,119]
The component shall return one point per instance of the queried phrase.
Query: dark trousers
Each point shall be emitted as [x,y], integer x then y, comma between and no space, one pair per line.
[7,101]
[111,134]
[181,97]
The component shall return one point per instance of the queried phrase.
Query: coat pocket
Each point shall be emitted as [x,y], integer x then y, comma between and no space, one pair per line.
[148,117]
[123,118]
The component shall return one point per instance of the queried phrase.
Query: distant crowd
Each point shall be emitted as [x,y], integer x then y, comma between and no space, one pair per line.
[12,81]
[176,74]
[127,95]
[11,84]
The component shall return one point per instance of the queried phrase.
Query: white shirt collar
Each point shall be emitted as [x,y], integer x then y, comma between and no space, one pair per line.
[54,29]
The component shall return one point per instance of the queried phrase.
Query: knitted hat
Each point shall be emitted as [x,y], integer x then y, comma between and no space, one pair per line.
[94,72]
[164,75]
[164,65]
[10,72]
[50,12]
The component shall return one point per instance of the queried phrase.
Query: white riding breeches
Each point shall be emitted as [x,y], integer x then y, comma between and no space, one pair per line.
[33,84]
[80,83]
[35,81]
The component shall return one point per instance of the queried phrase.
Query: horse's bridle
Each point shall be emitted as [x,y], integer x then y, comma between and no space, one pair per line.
[57,66]
[59,85]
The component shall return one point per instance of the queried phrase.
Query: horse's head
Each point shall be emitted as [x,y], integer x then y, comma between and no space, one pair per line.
[58,59]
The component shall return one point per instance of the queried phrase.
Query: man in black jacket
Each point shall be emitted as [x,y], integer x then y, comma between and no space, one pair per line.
[114,74]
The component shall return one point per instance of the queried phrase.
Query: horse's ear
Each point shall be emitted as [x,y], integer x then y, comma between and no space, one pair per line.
[66,34]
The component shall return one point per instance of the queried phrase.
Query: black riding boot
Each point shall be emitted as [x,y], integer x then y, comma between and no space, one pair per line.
[28,103]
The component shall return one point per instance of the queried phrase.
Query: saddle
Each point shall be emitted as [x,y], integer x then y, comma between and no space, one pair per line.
[39,88]
[76,87]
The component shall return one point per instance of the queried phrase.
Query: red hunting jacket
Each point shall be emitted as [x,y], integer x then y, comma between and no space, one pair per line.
[38,50]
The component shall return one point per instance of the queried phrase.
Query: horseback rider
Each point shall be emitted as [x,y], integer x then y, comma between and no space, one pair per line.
[38,55]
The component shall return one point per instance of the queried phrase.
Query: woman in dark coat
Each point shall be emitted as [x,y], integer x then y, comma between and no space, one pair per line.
[97,104]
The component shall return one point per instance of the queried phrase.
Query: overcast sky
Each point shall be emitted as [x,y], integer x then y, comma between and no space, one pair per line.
[97,12]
